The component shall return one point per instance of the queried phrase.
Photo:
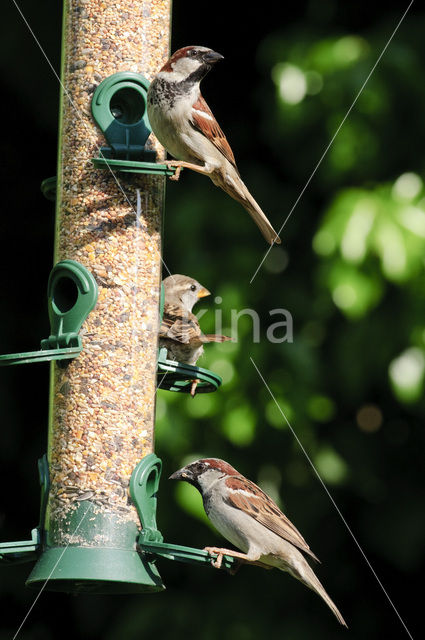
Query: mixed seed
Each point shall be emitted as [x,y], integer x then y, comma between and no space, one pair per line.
[102,414]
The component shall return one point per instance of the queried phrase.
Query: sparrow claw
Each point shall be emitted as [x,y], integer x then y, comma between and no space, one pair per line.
[193,387]
[240,558]
[217,562]
[178,167]
[176,176]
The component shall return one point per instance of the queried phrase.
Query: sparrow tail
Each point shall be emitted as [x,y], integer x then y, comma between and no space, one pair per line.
[212,337]
[238,191]
[307,576]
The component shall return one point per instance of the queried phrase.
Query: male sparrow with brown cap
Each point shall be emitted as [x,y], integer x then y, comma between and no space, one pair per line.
[180,332]
[250,520]
[184,124]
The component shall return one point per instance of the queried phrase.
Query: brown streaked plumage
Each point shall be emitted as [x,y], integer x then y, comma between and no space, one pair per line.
[263,509]
[253,522]
[203,119]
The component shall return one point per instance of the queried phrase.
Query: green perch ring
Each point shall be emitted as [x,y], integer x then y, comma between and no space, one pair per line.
[177,376]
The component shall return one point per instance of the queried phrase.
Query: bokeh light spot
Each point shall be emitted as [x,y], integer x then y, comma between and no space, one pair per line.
[369,418]
[344,296]
[407,186]
[276,261]
[324,243]
[407,374]
[291,81]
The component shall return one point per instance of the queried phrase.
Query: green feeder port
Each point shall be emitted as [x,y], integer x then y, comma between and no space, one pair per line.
[119,107]
[48,188]
[72,294]
[144,485]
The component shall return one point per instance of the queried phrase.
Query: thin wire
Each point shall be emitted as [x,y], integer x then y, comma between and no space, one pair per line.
[333,138]
[79,115]
[158,386]
[49,576]
[331,498]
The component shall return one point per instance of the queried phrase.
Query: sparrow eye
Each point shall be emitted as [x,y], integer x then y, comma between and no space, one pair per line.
[193,287]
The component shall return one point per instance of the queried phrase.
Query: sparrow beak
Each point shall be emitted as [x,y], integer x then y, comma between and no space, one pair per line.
[179,475]
[203,292]
[211,57]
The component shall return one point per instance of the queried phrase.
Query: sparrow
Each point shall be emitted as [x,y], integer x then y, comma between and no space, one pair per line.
[185,125]
[180,332]
[251,521]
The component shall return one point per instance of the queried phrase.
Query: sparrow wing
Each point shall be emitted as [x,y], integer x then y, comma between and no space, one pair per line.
[203,120]
[179,325]
[214,337]
[245,495]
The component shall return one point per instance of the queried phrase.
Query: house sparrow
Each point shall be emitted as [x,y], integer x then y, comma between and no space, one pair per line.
[250,520]
[184,124]
[180,332]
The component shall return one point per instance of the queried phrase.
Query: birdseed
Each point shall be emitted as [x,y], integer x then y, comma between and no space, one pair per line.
[103,402]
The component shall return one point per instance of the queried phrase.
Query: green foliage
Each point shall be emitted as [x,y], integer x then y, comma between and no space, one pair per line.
[348,390]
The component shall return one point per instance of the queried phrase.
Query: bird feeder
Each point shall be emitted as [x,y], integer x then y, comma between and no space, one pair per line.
[102,401]
[97,530]
[101,421]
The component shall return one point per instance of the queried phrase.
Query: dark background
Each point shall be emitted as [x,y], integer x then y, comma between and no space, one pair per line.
[356,407]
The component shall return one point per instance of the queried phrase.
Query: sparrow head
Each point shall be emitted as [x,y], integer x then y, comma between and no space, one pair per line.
[203,473]
[183,291]
[191,61]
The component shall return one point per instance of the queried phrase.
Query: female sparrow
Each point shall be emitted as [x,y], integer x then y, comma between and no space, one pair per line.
[184,124]
[180,332]
[250,520]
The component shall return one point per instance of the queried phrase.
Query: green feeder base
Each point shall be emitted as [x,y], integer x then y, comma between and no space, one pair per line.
[94,570]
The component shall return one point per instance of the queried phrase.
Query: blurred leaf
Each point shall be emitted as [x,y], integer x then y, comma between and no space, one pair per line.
[238,425]
[331,467]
